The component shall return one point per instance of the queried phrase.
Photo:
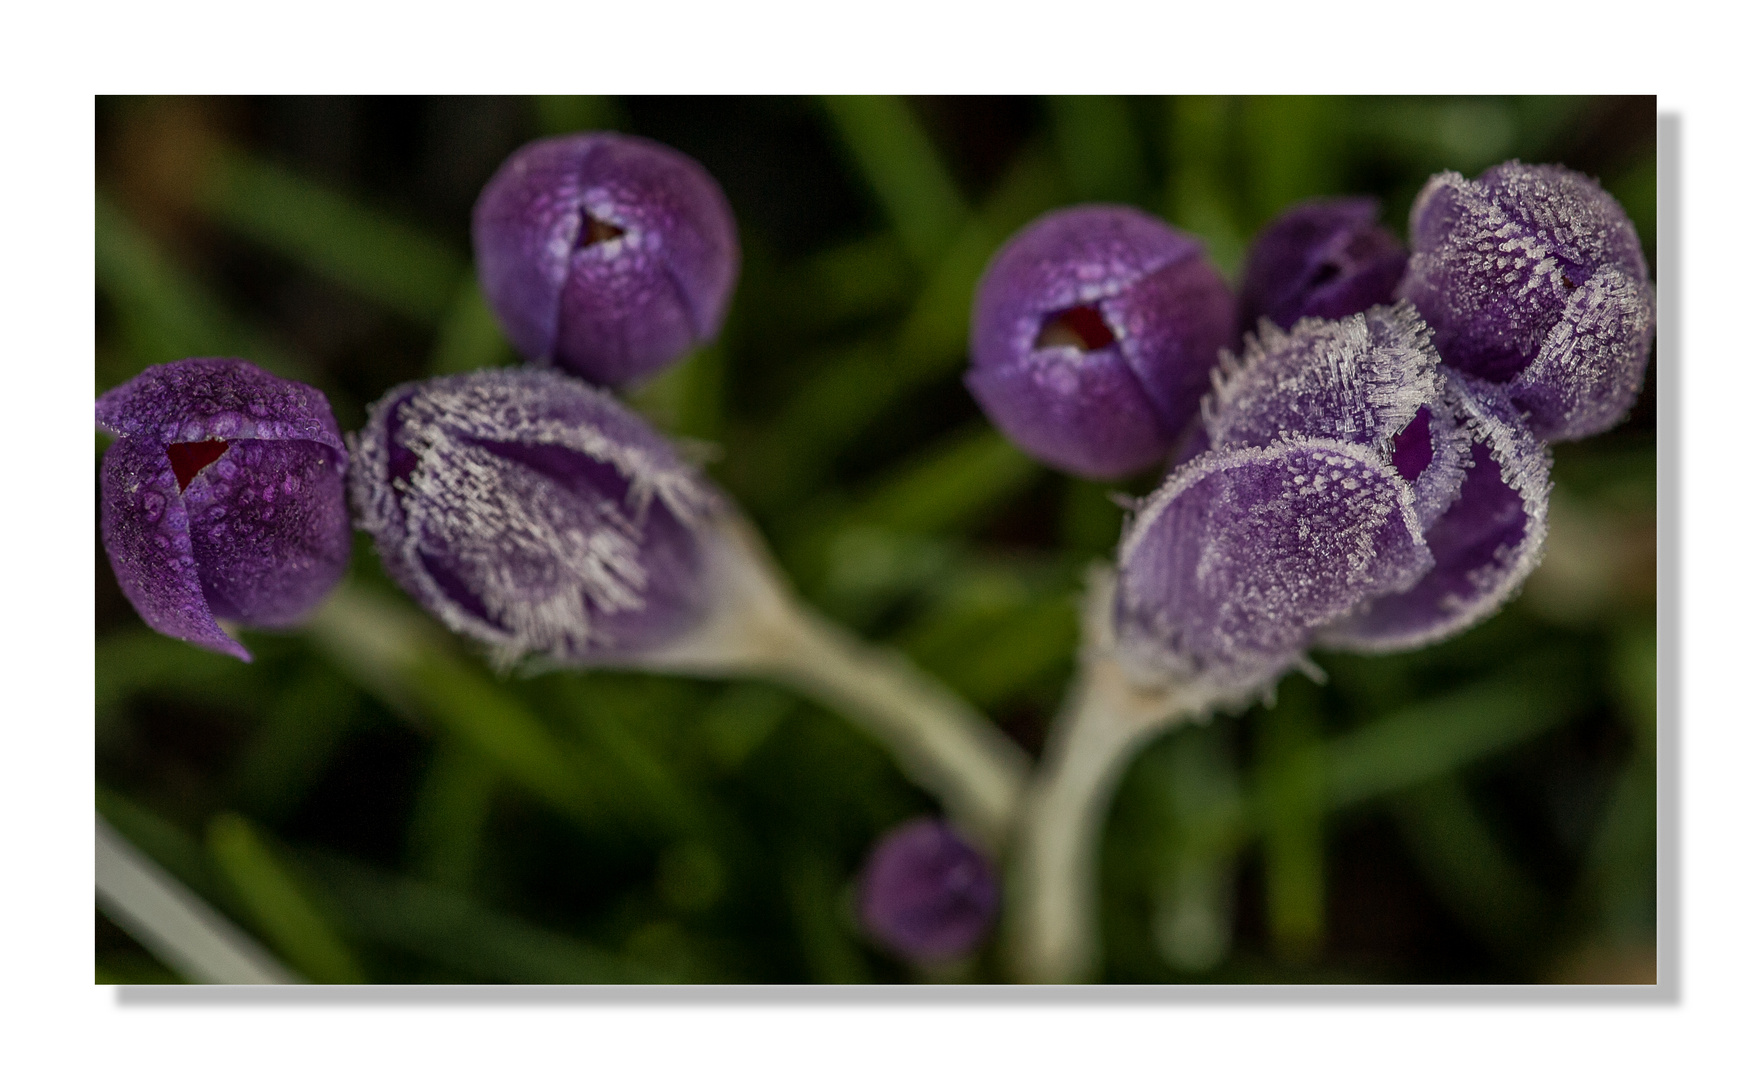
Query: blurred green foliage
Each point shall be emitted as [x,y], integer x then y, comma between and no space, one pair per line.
[1480,811]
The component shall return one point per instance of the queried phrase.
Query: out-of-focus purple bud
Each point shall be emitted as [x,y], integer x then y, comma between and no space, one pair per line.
[1324,259]
[1532,277]
[1094,332]
[1372,379]
[926,893]
[223,498]
[1485,543]
[534,514]
[607,255]
[1228,569]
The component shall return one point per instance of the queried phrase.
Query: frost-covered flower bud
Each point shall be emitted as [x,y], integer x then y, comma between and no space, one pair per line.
[926,893]
[1094,332]
[1323,259]
[223,498]
[533,514]
[1532,278]
[1229,568]
[1354,495]
[608,255]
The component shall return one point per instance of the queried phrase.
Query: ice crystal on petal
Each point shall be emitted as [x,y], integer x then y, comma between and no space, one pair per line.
[1484,545]
[1364,379]
[1228,569]
[1532,277]
[533,513]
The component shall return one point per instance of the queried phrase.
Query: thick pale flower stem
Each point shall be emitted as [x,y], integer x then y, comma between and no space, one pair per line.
[757,626]
[1052,927]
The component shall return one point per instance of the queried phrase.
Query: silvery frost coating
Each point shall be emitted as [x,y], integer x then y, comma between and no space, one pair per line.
[926,893]
[1533,279]
[608,255]
[533,514]
[1354,495]
[222,498]
[1326,259]
[1094,332]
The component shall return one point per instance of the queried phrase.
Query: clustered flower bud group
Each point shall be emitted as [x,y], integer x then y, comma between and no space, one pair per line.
[1359,437]
[1368,469]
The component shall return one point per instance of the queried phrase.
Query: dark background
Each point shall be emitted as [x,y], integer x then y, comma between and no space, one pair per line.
[1480,811]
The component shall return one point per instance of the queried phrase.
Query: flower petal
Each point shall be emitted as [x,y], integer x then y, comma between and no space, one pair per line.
[532,513]
[268,522]
[146,535]
[1484,545]
[1229,568]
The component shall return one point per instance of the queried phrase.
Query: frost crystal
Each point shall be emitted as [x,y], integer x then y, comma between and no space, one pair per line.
[1484,545]
[1533,278]
[1350,493]
[532,513]
[1230,566]
[1372,379]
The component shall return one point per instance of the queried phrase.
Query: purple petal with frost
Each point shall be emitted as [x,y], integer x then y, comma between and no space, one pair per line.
[1323,259]
[1484,545]
[607,255]
[222,498]
[1079,300]
[1372,379]
[926,893]
[1532,276]
[533,513]
[1228,569]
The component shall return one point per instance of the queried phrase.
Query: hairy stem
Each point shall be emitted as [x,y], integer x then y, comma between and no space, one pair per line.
[757,626]
[1052,928]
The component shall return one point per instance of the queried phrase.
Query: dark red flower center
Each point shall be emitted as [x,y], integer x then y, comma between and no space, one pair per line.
[595,232]
[1080,327]
[189,458]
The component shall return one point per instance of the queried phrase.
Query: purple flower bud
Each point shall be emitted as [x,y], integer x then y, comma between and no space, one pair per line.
[1533,278]
[1324,259]
[1094,332]
[533,513]
[1273,540]
[222,498]
[608,255]
[1229,568]
[926,893]
[1372,379]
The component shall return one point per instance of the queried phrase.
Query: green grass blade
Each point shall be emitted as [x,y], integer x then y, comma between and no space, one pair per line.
[282,910]
[1200,197]
[563,114]
[447,827]
[331,235]
[165,314]
[897,160]
[1288,804]
[469,337]
[1098,147]
[1474,875]
[440,924]
[1432,738]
